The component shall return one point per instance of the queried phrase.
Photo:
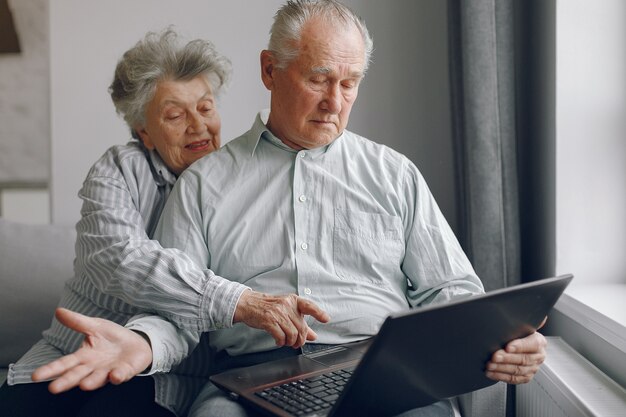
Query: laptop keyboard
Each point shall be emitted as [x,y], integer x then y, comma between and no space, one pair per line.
[310,395]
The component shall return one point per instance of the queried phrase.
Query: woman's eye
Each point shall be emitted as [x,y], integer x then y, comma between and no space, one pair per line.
[172,116]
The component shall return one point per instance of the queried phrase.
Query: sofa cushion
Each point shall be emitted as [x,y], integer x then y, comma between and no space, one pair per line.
[35,262]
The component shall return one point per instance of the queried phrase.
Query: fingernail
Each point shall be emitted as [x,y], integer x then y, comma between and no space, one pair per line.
[498,358]
[491,366]
[512,348]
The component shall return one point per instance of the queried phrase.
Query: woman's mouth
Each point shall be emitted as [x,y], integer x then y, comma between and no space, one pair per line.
[199,146]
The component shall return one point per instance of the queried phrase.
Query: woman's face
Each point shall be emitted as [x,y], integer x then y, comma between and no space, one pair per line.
[182,122]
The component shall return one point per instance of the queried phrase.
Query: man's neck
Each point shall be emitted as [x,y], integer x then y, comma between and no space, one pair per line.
[291,144]
[287,142]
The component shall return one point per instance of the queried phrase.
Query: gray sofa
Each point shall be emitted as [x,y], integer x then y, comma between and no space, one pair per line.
[36,260]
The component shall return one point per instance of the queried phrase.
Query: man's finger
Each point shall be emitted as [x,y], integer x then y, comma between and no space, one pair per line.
[513,369]
[501,357]
[311,335]
[508,378]
[291,333]
[277,333]
[535,342]
[309,308]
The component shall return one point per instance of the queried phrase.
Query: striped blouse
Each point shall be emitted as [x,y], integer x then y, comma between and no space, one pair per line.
[120,271]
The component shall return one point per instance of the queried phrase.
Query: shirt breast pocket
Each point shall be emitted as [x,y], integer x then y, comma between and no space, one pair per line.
[367,247]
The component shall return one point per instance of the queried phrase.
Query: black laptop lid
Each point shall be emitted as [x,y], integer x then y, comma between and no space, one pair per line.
[436,352]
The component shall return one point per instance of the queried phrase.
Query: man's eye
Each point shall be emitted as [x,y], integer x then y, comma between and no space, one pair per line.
[172,116]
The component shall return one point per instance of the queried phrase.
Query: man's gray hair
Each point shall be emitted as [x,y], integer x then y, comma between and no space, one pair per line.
[158,57]
[290,19]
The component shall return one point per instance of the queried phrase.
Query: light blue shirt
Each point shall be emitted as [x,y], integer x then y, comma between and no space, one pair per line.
[351,226]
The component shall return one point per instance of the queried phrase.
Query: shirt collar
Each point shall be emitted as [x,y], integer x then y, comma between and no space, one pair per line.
[162,174]
[260,131]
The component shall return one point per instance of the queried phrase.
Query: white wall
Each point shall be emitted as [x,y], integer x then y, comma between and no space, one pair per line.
[591,140]
[404,101]
[86,40]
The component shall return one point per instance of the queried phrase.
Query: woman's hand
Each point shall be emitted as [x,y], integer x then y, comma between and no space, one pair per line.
[109,353]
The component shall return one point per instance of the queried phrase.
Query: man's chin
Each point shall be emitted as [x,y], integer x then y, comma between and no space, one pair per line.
[324,138]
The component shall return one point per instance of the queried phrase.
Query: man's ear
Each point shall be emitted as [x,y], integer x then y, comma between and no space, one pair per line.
[267,69]
[145,137]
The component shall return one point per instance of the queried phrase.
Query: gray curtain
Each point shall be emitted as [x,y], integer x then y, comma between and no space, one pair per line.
[503,146]
[502,66]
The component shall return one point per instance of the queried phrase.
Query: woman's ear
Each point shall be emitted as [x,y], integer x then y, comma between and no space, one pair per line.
[145,137]
[267,69]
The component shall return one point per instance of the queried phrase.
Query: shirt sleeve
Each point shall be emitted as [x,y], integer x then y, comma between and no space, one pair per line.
[182,226]
[435,264]
[170,345]
[115,254]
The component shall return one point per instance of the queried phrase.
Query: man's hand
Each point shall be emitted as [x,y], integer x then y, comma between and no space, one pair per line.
[520,359]
[282,316]
[109,353]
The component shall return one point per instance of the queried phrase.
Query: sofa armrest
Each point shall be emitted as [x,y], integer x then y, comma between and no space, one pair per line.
[35,262]
[489,401]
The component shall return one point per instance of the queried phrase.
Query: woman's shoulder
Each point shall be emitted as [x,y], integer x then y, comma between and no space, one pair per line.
[119,158]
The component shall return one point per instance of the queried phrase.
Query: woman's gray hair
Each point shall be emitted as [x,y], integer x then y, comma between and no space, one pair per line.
[290,19]
[162,56]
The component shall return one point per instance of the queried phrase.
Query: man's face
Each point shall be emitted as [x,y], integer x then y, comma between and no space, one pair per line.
[312,98]
[182,122]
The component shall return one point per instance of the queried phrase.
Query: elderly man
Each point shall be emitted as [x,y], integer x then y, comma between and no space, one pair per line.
[329,231]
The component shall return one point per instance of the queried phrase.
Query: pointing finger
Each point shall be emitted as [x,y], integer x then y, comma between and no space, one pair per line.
[309,308]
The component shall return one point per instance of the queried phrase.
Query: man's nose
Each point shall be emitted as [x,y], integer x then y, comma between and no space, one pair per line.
[332,99]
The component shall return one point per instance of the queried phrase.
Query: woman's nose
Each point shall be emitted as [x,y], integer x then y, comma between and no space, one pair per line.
[195,123]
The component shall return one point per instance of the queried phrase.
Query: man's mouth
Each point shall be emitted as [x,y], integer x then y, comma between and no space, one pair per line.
[323,122]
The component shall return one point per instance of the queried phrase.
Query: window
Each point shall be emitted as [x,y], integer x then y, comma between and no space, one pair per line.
[591,170]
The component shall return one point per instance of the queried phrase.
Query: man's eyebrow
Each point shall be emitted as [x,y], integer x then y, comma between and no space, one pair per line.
[326,70]
[320,70]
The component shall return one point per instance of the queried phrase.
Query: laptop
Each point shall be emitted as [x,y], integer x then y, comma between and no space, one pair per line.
[417,358]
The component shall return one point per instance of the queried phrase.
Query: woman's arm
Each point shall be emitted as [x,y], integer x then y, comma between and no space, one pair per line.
[115,255]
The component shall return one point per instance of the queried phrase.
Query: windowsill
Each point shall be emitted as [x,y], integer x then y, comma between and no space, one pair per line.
[594,326]
[607,299]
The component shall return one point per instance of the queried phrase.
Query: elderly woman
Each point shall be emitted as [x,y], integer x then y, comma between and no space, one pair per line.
[166,91]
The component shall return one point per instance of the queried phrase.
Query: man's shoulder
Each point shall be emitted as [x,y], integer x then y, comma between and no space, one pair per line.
[366,148]
[229,153]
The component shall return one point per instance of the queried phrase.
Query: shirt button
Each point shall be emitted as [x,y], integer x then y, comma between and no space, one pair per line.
[304,246]
[302,154]
[307,291]
[302,198]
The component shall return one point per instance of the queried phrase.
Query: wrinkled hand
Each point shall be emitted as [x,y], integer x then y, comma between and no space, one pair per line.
[520,359]
[282,316]
[109,353]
